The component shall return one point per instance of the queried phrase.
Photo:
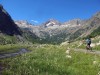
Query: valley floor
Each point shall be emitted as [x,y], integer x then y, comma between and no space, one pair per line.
[21,51]
[52,60]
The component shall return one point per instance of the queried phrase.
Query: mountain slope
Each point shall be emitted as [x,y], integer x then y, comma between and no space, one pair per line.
[89,27]
[10,33]
[7,25]
[52,31]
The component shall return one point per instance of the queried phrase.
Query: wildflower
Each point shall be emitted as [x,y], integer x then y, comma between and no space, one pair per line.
[94,62]
[68,48]
[67,51]
[98,73]
[68,56]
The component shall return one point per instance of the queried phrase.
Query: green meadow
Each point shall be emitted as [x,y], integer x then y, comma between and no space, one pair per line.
[11,48]
[52,60]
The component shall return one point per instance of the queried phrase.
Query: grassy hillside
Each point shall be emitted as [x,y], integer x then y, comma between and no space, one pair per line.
[26,37]
[52,60]
[7,39]
[95,32]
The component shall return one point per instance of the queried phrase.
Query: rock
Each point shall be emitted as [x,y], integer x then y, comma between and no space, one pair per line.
[7,25]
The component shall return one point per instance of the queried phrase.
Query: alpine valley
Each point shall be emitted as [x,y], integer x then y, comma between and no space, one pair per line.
[51,31]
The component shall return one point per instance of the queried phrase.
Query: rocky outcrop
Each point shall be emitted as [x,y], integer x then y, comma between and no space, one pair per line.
[7,25]
[73,23]
[23,24]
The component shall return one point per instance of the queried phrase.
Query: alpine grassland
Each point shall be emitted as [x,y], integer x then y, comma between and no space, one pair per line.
[11,48]
[52,60]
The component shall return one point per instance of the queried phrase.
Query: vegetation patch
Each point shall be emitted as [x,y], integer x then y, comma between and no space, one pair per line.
[52,60]
[10,48]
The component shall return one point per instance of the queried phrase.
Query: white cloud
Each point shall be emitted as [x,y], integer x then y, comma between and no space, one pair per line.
[34,21]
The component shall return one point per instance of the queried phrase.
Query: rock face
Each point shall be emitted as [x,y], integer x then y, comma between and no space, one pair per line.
[23,24]
[7,25]
[51,23]
[53,30]
[89,26]
[73,23]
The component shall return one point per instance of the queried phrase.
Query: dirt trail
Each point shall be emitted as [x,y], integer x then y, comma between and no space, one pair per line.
[88,51]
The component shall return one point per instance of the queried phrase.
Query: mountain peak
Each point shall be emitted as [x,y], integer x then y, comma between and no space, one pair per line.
[51,22]
[23,24]
[1,7]
[73,22]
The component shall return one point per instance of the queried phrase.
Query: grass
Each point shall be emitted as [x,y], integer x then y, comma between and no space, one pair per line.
[10,48]
[52,60]
[97,47]
[82,45]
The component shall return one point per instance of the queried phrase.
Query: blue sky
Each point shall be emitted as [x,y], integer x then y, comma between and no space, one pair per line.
[39,11]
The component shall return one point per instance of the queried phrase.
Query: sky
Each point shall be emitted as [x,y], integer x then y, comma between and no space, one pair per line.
[39,11]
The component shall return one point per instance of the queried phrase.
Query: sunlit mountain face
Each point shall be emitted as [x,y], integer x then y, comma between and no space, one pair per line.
[72,29]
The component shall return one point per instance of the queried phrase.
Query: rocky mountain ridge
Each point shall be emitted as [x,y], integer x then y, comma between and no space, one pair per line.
[23,24]
[53,29]
[51,23]
[7,25]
